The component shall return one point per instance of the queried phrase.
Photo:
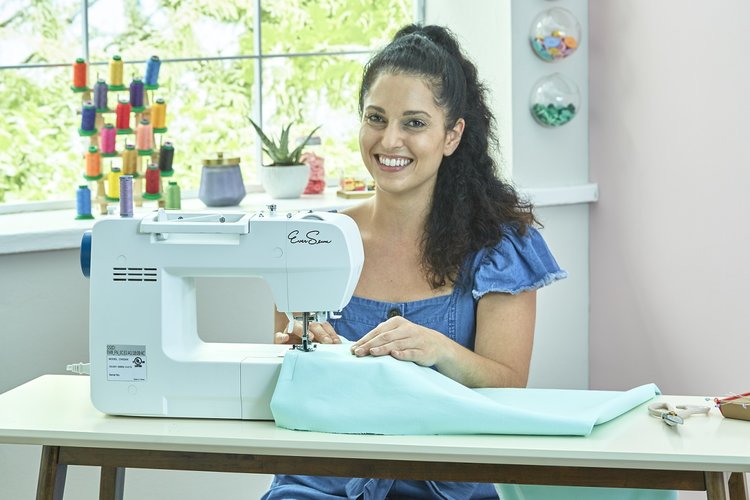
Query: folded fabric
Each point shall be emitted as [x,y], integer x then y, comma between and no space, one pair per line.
[330,390]
[529,492]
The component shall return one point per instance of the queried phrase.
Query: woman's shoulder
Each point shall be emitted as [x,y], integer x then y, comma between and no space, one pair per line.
[519,262]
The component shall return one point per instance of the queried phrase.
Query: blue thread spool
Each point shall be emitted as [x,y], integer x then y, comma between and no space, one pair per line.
[88,116]
[152,70]
[83,203]
[136,93]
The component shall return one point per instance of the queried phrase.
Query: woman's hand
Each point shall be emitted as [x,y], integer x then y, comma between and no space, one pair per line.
[404,340]
[323,333]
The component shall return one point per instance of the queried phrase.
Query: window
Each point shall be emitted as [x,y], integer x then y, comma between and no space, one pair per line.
[221,61]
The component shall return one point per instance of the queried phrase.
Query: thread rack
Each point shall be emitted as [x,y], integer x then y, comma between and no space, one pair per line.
[108,139]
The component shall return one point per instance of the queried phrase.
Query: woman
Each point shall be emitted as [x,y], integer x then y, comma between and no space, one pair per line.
[452,259]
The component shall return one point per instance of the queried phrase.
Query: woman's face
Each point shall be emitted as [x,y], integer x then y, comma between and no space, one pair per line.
[402,137]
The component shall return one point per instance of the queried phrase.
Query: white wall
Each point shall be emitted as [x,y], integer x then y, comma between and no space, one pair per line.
[494,33]
[669,236]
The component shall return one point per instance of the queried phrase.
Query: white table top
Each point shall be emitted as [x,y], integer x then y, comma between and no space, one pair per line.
[56,410]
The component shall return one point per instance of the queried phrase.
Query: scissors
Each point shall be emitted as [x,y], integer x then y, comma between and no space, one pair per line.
[674,415]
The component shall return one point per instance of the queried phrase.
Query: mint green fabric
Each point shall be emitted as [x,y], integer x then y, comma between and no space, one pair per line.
[330,390]
[528,492]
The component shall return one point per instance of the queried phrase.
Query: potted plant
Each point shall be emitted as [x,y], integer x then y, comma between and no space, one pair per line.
[286,176]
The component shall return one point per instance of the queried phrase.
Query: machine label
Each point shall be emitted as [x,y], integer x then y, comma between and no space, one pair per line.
[126,363]
[308,238]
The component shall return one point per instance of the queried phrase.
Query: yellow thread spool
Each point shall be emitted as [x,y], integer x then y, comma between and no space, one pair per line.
[113,183]
[159,114]
[115,71]
[129,160]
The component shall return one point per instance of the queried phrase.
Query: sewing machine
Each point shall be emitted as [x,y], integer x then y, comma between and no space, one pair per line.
[146,357]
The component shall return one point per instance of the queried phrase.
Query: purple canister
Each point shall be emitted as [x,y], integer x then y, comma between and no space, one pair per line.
[221,182]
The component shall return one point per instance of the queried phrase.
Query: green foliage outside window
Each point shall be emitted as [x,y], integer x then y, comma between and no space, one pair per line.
[41,155]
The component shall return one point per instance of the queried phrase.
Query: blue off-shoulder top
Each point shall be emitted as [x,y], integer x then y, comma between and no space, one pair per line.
[516,264]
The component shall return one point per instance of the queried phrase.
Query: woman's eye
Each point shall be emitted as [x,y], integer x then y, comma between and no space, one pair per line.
[374,118]
[415,123]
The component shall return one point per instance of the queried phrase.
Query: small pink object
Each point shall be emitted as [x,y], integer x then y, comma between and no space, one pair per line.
[316,183]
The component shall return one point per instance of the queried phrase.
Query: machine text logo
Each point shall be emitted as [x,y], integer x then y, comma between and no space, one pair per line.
[311,238]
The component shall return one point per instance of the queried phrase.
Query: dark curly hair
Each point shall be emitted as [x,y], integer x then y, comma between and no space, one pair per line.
[471,205]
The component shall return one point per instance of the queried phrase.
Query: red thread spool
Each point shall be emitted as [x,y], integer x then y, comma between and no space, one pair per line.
[153,179]
[79,73]
[123,115]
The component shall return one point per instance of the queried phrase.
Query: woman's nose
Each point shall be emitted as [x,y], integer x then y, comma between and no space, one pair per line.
[392,136]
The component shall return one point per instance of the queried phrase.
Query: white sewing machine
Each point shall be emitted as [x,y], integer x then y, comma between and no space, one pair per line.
[146,357]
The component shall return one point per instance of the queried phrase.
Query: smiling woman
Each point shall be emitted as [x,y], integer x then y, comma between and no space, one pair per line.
[304,67]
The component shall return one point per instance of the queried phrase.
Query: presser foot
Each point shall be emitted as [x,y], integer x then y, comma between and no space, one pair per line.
[305,346]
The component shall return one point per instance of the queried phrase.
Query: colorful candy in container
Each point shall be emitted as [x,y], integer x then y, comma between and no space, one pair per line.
[555,100]
[555,34]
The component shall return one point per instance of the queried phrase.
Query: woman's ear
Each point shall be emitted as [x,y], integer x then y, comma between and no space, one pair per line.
[453,137]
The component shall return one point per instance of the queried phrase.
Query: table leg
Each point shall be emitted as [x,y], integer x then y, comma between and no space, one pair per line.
[111,483]
[737,486]
[51,483]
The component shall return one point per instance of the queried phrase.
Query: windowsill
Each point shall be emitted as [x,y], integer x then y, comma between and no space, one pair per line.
[58,229]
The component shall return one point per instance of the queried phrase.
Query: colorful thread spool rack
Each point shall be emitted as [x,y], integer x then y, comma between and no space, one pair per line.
[134,117]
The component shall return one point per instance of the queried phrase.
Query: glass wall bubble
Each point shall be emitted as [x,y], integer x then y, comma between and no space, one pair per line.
[555,34]
[555,100]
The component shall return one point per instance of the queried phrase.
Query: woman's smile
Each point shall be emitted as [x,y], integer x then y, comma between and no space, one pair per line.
[391,163]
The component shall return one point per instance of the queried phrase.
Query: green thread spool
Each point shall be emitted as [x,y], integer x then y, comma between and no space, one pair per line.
[173,201]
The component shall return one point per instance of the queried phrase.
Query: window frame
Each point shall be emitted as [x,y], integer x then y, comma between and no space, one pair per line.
[258,56]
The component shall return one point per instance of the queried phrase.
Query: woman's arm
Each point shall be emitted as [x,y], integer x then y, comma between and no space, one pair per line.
[502,348]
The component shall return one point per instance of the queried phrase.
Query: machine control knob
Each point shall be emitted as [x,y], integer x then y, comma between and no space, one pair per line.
[86,253]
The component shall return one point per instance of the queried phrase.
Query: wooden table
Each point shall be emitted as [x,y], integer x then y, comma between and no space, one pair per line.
[633,451]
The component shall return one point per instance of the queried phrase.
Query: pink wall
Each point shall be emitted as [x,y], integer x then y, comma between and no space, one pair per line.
[670,236]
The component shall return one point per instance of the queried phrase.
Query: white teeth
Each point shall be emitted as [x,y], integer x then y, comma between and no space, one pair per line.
[394,162]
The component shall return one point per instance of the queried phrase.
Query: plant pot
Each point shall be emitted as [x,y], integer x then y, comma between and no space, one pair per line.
[287,181]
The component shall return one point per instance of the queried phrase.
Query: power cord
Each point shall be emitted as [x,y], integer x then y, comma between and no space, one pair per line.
[79,368]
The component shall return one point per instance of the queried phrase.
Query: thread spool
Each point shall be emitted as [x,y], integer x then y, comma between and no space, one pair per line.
[136,93]
[152,71]
[144,136]
[174,198]
[83,203]
[109,135]
[100,95]
[166,157]
[123,115]
[113,183]
[93,163]
[79,73]
[126,196]
[153,183]
[115,71]
[159,114]
[88,117]
[129,160]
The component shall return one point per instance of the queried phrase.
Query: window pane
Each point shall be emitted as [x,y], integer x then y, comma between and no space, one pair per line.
[189,28]
[38,131]
[40,32]
[332,25]
[314,91]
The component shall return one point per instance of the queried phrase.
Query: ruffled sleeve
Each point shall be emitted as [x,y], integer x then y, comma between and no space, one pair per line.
[516,264]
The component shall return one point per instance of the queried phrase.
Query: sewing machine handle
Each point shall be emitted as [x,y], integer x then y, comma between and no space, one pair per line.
[86,253]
